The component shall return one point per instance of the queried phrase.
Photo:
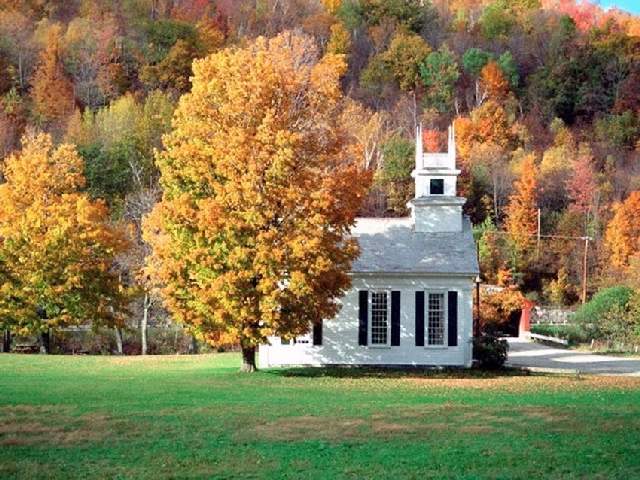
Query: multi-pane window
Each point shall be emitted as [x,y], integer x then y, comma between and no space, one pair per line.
[435,319]
[379,318]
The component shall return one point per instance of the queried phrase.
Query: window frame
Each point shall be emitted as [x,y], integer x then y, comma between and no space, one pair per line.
[443,186]
[370,343]
[445,319]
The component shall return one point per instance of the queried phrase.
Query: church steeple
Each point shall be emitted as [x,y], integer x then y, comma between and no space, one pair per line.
[436,206]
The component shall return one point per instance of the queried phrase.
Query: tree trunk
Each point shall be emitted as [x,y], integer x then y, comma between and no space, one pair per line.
[143,325]
[248,359]
[45,342]
[6,343]
[118,340]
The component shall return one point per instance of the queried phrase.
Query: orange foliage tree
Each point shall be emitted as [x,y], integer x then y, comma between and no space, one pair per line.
[488,123]
[58,246]
[496,307]
[52,90]
[522,216]
[493,81]
[261,188]
[622,237]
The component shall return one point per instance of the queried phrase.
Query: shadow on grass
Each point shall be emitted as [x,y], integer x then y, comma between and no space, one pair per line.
[397,372]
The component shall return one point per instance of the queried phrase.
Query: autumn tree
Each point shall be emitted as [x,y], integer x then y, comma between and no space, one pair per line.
[367,129]
[522,216]
[493,82]
[332,6]
[57,244]
[339,41]
[556,167]
[622,237]
[52,90]
[582,187]
[260,191]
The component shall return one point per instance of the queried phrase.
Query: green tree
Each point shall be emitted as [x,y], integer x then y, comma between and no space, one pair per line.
[509,68]
[619,131]
[414,15]
[394,176]
[401,62]
[497,20]
[474,60]
[439,73]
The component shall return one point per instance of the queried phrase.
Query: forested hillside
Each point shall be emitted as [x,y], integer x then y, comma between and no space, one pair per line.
[544,95]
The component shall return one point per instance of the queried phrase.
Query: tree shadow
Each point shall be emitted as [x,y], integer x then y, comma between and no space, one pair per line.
[395,372]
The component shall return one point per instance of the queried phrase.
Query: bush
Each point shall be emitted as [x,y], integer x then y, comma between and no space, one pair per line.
[605,304]
[490,350]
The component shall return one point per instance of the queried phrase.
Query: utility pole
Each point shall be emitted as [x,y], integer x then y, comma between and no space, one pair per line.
[538,236]
[585,266]
[476,322]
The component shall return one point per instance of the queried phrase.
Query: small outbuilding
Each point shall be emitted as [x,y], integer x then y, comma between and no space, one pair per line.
[412,285]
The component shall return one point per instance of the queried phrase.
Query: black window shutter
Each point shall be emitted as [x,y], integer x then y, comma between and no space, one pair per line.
[363,316]
[419,319]
[453,319]
[395,319]
[317,333]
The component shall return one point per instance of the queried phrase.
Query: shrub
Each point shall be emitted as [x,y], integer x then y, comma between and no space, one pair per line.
[605,305]
[490,350]
[621,325]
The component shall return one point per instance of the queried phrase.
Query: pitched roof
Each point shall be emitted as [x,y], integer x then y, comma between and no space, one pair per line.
[390,245]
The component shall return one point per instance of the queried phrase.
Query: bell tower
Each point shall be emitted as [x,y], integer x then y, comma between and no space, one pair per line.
[436,207]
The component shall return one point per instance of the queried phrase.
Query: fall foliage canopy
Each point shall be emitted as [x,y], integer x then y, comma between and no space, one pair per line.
[522,209]
[623,232]
[52,90]
[260,191]
[57,245]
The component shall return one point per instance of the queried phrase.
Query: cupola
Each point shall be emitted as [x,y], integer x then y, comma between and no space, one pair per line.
[436,206]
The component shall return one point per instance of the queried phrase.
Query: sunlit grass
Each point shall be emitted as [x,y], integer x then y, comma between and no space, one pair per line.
[198,417]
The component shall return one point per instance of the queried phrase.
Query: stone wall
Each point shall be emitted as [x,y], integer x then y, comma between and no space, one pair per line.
[542,315]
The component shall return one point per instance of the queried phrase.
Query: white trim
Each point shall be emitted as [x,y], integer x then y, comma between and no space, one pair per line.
[445,319]
[370,317]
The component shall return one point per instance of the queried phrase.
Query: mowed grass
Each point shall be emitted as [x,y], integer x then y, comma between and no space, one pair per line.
[198,417]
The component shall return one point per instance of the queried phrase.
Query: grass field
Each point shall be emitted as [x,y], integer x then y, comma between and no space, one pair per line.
[197,417]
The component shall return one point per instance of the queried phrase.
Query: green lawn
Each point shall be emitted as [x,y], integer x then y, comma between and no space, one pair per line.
[197,417]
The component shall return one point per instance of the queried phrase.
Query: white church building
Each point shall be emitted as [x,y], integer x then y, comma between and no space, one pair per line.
[411,297]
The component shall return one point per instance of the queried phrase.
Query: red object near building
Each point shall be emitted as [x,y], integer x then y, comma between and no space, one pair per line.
[525,317]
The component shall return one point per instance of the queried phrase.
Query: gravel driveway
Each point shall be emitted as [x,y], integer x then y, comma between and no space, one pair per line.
[524,353]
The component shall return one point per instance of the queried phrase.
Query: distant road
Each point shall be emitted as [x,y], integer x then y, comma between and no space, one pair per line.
[523,353]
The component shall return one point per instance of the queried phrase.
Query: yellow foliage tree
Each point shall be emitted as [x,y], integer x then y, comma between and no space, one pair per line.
[332,6]
[622,237]
[522,216]
[260,189]
[57,245]
[339,41]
